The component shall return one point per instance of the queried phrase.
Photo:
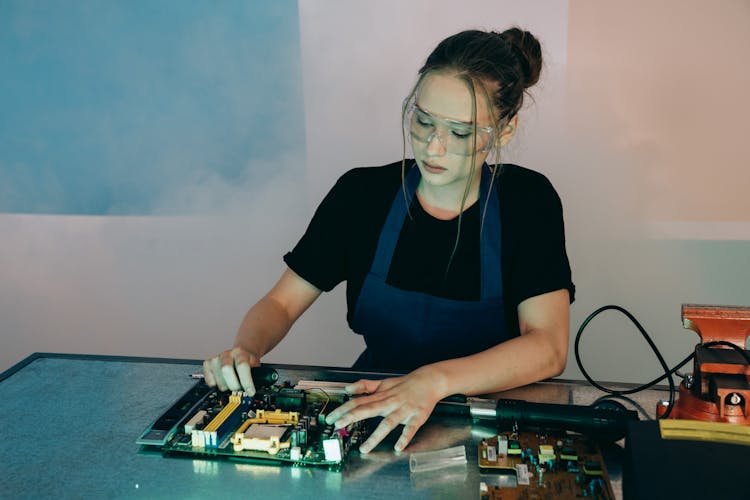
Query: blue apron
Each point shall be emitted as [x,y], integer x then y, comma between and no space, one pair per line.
[404,329]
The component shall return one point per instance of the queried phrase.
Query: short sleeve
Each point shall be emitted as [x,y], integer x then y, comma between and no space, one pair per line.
[538,262]
[320,256]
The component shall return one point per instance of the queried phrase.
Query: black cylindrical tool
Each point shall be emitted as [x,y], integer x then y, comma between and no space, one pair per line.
[606,424]
[601,423]
[264,376]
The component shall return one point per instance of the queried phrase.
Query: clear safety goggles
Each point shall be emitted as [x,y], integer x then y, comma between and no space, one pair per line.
[455,136]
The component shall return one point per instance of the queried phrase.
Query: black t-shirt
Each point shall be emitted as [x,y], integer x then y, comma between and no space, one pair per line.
[340,242]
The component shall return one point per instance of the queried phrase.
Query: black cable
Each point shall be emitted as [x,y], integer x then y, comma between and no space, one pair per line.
[742,352]
[667,372]
[686,360]
[615,397]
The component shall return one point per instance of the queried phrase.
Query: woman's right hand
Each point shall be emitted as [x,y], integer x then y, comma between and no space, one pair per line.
[264,325]
[230,370]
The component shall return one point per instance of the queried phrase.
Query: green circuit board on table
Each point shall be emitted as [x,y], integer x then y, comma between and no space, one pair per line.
[279,424]
[525,465]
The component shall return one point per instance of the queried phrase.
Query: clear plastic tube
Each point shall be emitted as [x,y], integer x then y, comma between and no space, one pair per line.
[438,459]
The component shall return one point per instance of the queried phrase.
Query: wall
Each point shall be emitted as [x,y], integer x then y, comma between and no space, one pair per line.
[637,122]
[655,179]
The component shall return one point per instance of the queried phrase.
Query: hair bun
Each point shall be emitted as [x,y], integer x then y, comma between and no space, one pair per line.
[529,52]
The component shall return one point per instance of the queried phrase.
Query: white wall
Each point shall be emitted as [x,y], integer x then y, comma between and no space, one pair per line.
[611,127]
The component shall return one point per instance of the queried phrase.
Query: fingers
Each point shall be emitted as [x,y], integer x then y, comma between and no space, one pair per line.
[378,402]
[358,387]
[361,408]
[400,400]
[230,377]
[381,431]
[407,434]
[335,416]
[231,370]
[208,374]
[411,426]
[241,356]
[242,363]
[363,386]
[246,378]
[227,371]
[395,413]
[215,364]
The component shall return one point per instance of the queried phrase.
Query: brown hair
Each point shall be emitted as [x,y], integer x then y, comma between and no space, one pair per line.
[512,59]
[510,62]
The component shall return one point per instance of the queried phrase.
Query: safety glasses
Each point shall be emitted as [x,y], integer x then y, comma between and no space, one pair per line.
[455,136]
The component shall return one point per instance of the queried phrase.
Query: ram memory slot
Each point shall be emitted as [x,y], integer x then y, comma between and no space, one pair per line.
[228,417]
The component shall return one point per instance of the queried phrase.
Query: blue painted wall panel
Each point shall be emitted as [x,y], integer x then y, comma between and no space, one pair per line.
[108,106]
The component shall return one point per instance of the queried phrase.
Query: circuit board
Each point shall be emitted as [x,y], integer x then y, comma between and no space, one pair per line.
[544,466]
[279,423]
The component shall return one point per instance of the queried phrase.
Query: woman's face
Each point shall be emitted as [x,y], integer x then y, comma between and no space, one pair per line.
[442,131]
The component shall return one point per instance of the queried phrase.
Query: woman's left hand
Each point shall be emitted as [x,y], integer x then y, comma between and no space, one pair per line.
[407,400]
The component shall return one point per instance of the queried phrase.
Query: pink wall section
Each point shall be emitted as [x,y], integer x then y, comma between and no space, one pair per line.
[668,81]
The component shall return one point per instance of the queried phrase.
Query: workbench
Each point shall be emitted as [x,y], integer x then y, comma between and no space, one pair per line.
[69,425]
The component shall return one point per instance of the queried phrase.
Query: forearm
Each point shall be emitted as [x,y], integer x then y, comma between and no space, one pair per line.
[516,362]
[540,352]
[270,319]
[264,325]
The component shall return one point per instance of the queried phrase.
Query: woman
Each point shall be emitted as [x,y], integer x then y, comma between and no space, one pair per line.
[456,271]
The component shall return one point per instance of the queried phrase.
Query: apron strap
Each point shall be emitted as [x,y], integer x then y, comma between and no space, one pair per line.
[490,247]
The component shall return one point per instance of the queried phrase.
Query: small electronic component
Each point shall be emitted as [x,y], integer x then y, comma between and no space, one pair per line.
[522,475]
[592,468]
[332,449]
[502,445]
[546,453]
[514,448]
[568,452]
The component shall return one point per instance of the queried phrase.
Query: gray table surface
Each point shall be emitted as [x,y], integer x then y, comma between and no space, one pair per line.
[69,428]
